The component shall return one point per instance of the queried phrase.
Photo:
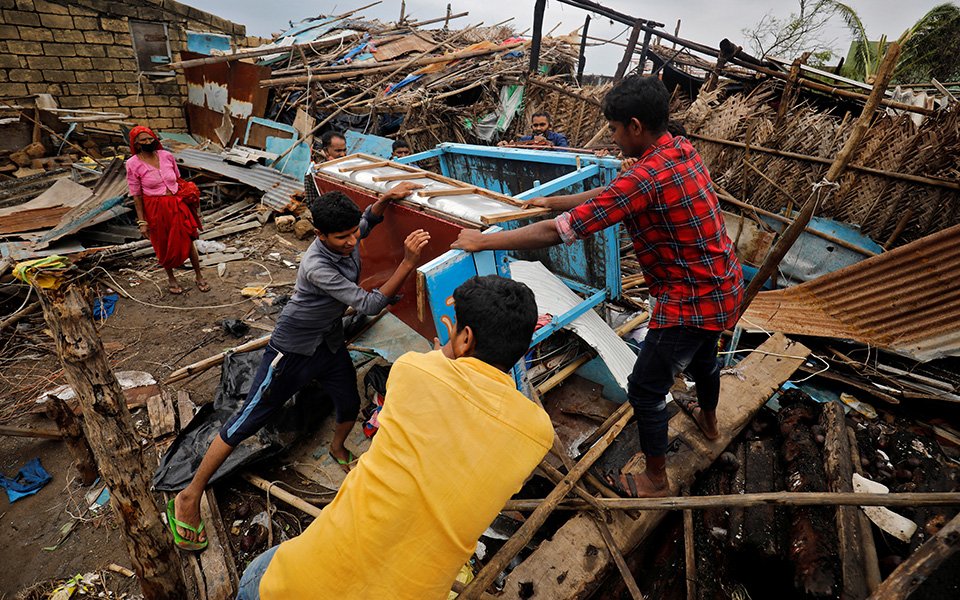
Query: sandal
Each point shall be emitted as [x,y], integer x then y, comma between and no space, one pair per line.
[203,286]
[179,540]
[176,290]
[346,465]
[690,406]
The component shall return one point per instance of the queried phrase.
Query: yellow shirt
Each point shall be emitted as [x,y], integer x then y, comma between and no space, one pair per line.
[456,441]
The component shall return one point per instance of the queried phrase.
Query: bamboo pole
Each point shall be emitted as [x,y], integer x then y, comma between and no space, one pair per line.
[906,499]
[944,183]
[618,560]
[792,232]
[282,494]
[214,360]
[683,502]
[419,61]
[498,562]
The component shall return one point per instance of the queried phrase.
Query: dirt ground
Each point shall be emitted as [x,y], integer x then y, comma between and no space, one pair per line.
[173,331]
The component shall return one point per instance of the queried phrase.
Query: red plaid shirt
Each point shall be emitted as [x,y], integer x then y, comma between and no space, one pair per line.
[670,209]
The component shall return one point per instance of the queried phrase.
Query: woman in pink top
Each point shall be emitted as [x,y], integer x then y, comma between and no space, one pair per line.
[167,206]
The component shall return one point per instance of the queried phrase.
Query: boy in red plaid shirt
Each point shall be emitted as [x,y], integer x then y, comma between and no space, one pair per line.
[667,202]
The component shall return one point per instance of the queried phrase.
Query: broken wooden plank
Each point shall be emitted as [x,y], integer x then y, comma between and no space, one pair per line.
[209,260]
[185,409]
[229,230]
[920,565]
[565,552]
[218,572]
[162,416]
[839,467]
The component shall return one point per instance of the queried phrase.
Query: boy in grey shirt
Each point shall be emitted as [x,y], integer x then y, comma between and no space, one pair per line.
[308,343]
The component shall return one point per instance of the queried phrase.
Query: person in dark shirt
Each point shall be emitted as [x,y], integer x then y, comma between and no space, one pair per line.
[542,134]
[307,343]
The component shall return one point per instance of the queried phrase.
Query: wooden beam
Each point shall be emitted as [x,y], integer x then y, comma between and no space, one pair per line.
[49,434]
[920,565]
[839,469]
[791,233]
[582,59]
[114,441]
[70,428]
[628,53]
[538,9]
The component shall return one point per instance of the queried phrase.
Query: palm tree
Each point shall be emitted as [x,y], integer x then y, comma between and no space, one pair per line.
[929,48]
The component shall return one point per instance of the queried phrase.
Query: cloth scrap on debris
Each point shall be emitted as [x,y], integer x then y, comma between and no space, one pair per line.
[31,477]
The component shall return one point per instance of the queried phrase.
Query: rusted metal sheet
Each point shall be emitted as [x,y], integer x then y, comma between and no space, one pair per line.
[906,300]
[382,251]
[228,89]
[280,190]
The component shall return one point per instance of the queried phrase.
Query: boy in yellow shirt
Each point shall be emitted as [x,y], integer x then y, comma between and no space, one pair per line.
[456,441]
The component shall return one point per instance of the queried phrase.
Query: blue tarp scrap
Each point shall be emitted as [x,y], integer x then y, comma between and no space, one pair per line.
[402,83]
[104,305]
[28,481]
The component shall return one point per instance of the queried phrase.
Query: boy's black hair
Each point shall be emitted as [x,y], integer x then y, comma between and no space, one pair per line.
[676,128]
[502,314]
[645,99]
[334,212]
[326,138]
[542,113]
[400,144]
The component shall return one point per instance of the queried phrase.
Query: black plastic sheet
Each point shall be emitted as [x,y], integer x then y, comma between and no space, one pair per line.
[301,414]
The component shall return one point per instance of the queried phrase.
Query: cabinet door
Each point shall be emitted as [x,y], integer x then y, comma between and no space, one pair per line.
[437,280]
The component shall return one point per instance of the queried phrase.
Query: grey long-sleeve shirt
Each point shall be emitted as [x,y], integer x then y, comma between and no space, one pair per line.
[326,286]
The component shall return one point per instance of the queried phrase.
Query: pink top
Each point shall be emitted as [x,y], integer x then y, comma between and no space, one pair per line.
[144,180]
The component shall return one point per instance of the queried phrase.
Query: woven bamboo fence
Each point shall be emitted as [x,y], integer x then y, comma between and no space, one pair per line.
[875,203]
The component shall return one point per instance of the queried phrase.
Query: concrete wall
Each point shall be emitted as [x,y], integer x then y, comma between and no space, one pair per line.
[81,52]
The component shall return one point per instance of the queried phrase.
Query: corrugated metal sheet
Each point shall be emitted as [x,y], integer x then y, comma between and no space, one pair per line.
[105,203]
[279,188]
[906,300]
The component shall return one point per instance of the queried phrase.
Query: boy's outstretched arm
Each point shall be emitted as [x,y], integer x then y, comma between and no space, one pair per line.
[398,192]
[541,234]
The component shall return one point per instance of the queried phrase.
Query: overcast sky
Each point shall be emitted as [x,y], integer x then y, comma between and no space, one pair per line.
[705,21]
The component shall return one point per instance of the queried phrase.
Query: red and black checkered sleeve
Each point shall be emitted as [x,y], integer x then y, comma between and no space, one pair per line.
[628,194]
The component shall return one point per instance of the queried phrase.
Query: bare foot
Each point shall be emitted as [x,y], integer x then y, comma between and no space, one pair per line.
[644,485]
[187,510]
[707,423]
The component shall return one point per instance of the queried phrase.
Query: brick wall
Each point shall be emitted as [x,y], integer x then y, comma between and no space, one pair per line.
[80,51]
